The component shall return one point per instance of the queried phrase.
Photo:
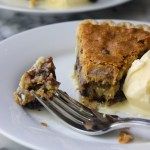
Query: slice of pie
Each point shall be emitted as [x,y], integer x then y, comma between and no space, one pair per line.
[105,52]
[41,79]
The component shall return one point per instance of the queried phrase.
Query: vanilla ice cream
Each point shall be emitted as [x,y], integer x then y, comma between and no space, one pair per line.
[137,83]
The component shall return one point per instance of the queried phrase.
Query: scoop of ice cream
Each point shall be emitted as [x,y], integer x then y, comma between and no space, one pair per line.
[137,83]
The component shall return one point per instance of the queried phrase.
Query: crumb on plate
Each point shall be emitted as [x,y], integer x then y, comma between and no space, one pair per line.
[44,124]
[125,137]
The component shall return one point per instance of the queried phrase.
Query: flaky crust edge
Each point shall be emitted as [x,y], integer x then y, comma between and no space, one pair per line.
[125,24]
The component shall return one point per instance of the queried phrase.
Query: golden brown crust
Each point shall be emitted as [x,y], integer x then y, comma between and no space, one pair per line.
[107,45]
[106,50]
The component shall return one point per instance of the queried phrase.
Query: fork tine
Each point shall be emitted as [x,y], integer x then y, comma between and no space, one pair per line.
[64,105]
[94,126]
[75,104]
[62,114]
[65,112]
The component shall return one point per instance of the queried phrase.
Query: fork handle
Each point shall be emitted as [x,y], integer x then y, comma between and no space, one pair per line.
[130,122]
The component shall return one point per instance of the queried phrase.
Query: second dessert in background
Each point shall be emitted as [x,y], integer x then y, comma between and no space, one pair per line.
[40,79]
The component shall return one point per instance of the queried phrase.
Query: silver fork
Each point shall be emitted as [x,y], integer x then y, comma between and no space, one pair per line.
[85,120]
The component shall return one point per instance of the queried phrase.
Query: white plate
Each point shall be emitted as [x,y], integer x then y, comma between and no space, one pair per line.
[22,5]
[23,126]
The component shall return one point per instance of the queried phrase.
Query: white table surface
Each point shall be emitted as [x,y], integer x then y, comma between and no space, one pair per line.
[12,23]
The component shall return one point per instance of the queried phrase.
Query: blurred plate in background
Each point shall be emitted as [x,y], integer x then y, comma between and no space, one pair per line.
[22,6]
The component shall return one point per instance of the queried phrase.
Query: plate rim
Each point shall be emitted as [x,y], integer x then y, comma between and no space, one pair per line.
[74,21]
[29,145]
[64,11]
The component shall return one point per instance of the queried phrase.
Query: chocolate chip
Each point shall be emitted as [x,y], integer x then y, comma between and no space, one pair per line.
[105,51]
[141,41]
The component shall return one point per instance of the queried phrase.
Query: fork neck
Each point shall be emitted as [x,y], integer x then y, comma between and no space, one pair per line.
[131,122]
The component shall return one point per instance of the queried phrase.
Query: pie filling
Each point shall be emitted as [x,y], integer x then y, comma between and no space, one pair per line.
[99,91]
